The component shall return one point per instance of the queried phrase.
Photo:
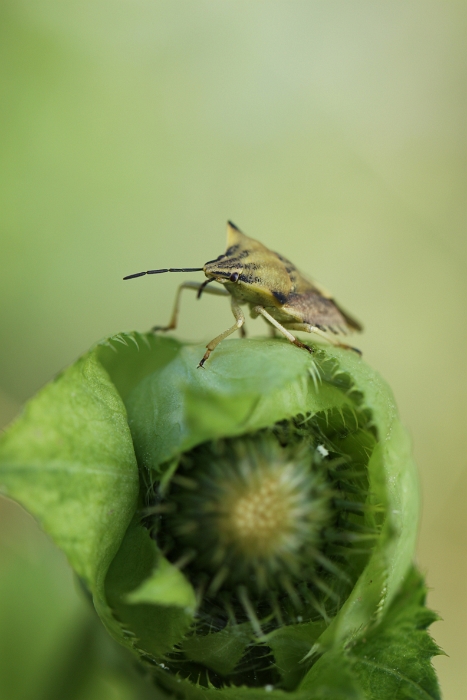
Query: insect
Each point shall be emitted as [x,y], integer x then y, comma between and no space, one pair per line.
[272,287]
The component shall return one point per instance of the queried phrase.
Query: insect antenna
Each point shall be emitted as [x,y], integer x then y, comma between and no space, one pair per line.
[167,269]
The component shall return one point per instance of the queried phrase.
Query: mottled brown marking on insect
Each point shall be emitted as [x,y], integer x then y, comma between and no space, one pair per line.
[309,306]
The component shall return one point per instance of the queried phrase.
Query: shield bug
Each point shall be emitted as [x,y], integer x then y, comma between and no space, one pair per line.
[272,287]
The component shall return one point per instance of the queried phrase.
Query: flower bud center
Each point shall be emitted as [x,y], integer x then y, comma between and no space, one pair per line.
[251,511]
[255,519]
[258,517]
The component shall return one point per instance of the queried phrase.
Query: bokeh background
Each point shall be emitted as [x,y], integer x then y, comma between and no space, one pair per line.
[335,132]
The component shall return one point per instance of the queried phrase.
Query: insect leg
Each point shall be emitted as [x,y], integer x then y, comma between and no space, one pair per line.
[261,310]
[219,291]
[239,321]
[309,328]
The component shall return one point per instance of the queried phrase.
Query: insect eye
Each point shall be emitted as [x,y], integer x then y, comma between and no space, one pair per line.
[234,276]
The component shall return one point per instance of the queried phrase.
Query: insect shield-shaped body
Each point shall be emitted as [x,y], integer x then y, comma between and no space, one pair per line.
[273,288]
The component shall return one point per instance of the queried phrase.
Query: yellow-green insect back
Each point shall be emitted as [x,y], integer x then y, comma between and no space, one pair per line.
[271,286]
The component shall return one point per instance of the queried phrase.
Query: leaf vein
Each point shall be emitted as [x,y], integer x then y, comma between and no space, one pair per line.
[397,674]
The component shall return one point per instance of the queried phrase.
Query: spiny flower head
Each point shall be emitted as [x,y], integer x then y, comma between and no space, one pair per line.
[253,523]
[251,509]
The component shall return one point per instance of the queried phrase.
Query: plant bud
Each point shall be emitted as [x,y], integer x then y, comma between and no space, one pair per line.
[242,529]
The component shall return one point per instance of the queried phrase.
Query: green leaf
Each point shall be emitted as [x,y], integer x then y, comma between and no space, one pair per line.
[248,384]
[166,586]
[389,661]
[332,676]
[290,645]
[394,483]
[69,460]
[218,651]
[393,660]
[153,617]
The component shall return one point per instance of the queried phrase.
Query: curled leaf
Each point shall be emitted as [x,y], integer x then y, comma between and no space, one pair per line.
[240,528]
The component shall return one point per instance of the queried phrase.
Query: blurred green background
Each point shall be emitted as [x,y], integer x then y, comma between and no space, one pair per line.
[335,132]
